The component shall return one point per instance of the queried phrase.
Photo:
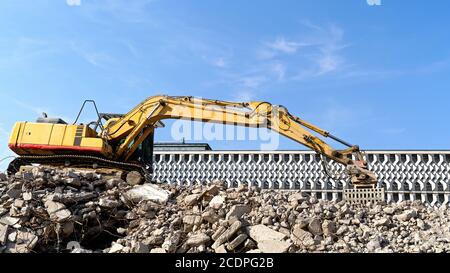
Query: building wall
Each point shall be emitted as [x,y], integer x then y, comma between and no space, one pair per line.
[406,175]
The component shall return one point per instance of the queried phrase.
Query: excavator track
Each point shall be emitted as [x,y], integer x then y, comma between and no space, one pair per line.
[77,161]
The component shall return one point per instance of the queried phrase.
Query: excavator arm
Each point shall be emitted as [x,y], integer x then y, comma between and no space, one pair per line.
[129,131]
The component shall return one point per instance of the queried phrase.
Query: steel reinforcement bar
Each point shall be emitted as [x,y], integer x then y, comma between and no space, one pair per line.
[405,175]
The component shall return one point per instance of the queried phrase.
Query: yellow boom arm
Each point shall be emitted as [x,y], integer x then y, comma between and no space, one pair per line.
[131,129]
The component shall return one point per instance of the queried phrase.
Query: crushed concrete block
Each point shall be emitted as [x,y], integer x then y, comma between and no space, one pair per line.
[147,192]
[273,246]
[237,211]
[261,233]
[191,199]
[197,240]
[3,234]
[116,248]
[8,220]
[158,250]
[134,178]
[57,211]
[226,236]
[217,202]
[237,241]
[221,249]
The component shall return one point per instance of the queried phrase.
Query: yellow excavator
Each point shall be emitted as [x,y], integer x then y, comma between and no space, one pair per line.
[126,141]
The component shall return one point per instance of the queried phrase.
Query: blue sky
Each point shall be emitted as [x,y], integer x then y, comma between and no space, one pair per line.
[377,76]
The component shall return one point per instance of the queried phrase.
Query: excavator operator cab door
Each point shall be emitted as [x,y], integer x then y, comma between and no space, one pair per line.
[144,153]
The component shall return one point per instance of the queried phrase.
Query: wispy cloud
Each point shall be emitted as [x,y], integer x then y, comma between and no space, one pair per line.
[279,70]
[219,62]
[244,96]
[284,59]
[37,110]
[73,2]
[131,48]
[24,49]
[215,54]
[251,81]
[135,11]
[285,46]
[93,56]
[327,53]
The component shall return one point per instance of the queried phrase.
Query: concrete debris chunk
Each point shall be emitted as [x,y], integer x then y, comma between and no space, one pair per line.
[301,237]
[315,226]
[407,215]
[383,222]
[147,192]
[107,203]
[237,211]
[73,181]
[237,241]
[262,233]
[273,246]
[140,247]
[197,240]
[218,232]
[210,216]
[171,243]
[9,221]
[217,202]
[226,236]
[134,178]
[192,220]
[3,234]
[191,199]
[116,248]
[329,228]
[3,177]
[158,250]
[14,193]
[25,241]
[57,211]
[221,249]
[373,245]
[389,210]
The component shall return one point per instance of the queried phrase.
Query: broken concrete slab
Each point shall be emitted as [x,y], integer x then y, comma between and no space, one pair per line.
[226,236]
[237,211]
[116,248]
[57,211]
[134,178]
[191,199]
[237,241]
[273,246]
[197,240]
[158,250]
[147,192]
[217,202]
[3,234]
[261,233]
[9,221]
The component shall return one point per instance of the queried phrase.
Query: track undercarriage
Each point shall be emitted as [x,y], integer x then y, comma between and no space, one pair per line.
[77,161]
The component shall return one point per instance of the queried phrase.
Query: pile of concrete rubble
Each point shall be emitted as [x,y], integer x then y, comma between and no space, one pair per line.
[62,210]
